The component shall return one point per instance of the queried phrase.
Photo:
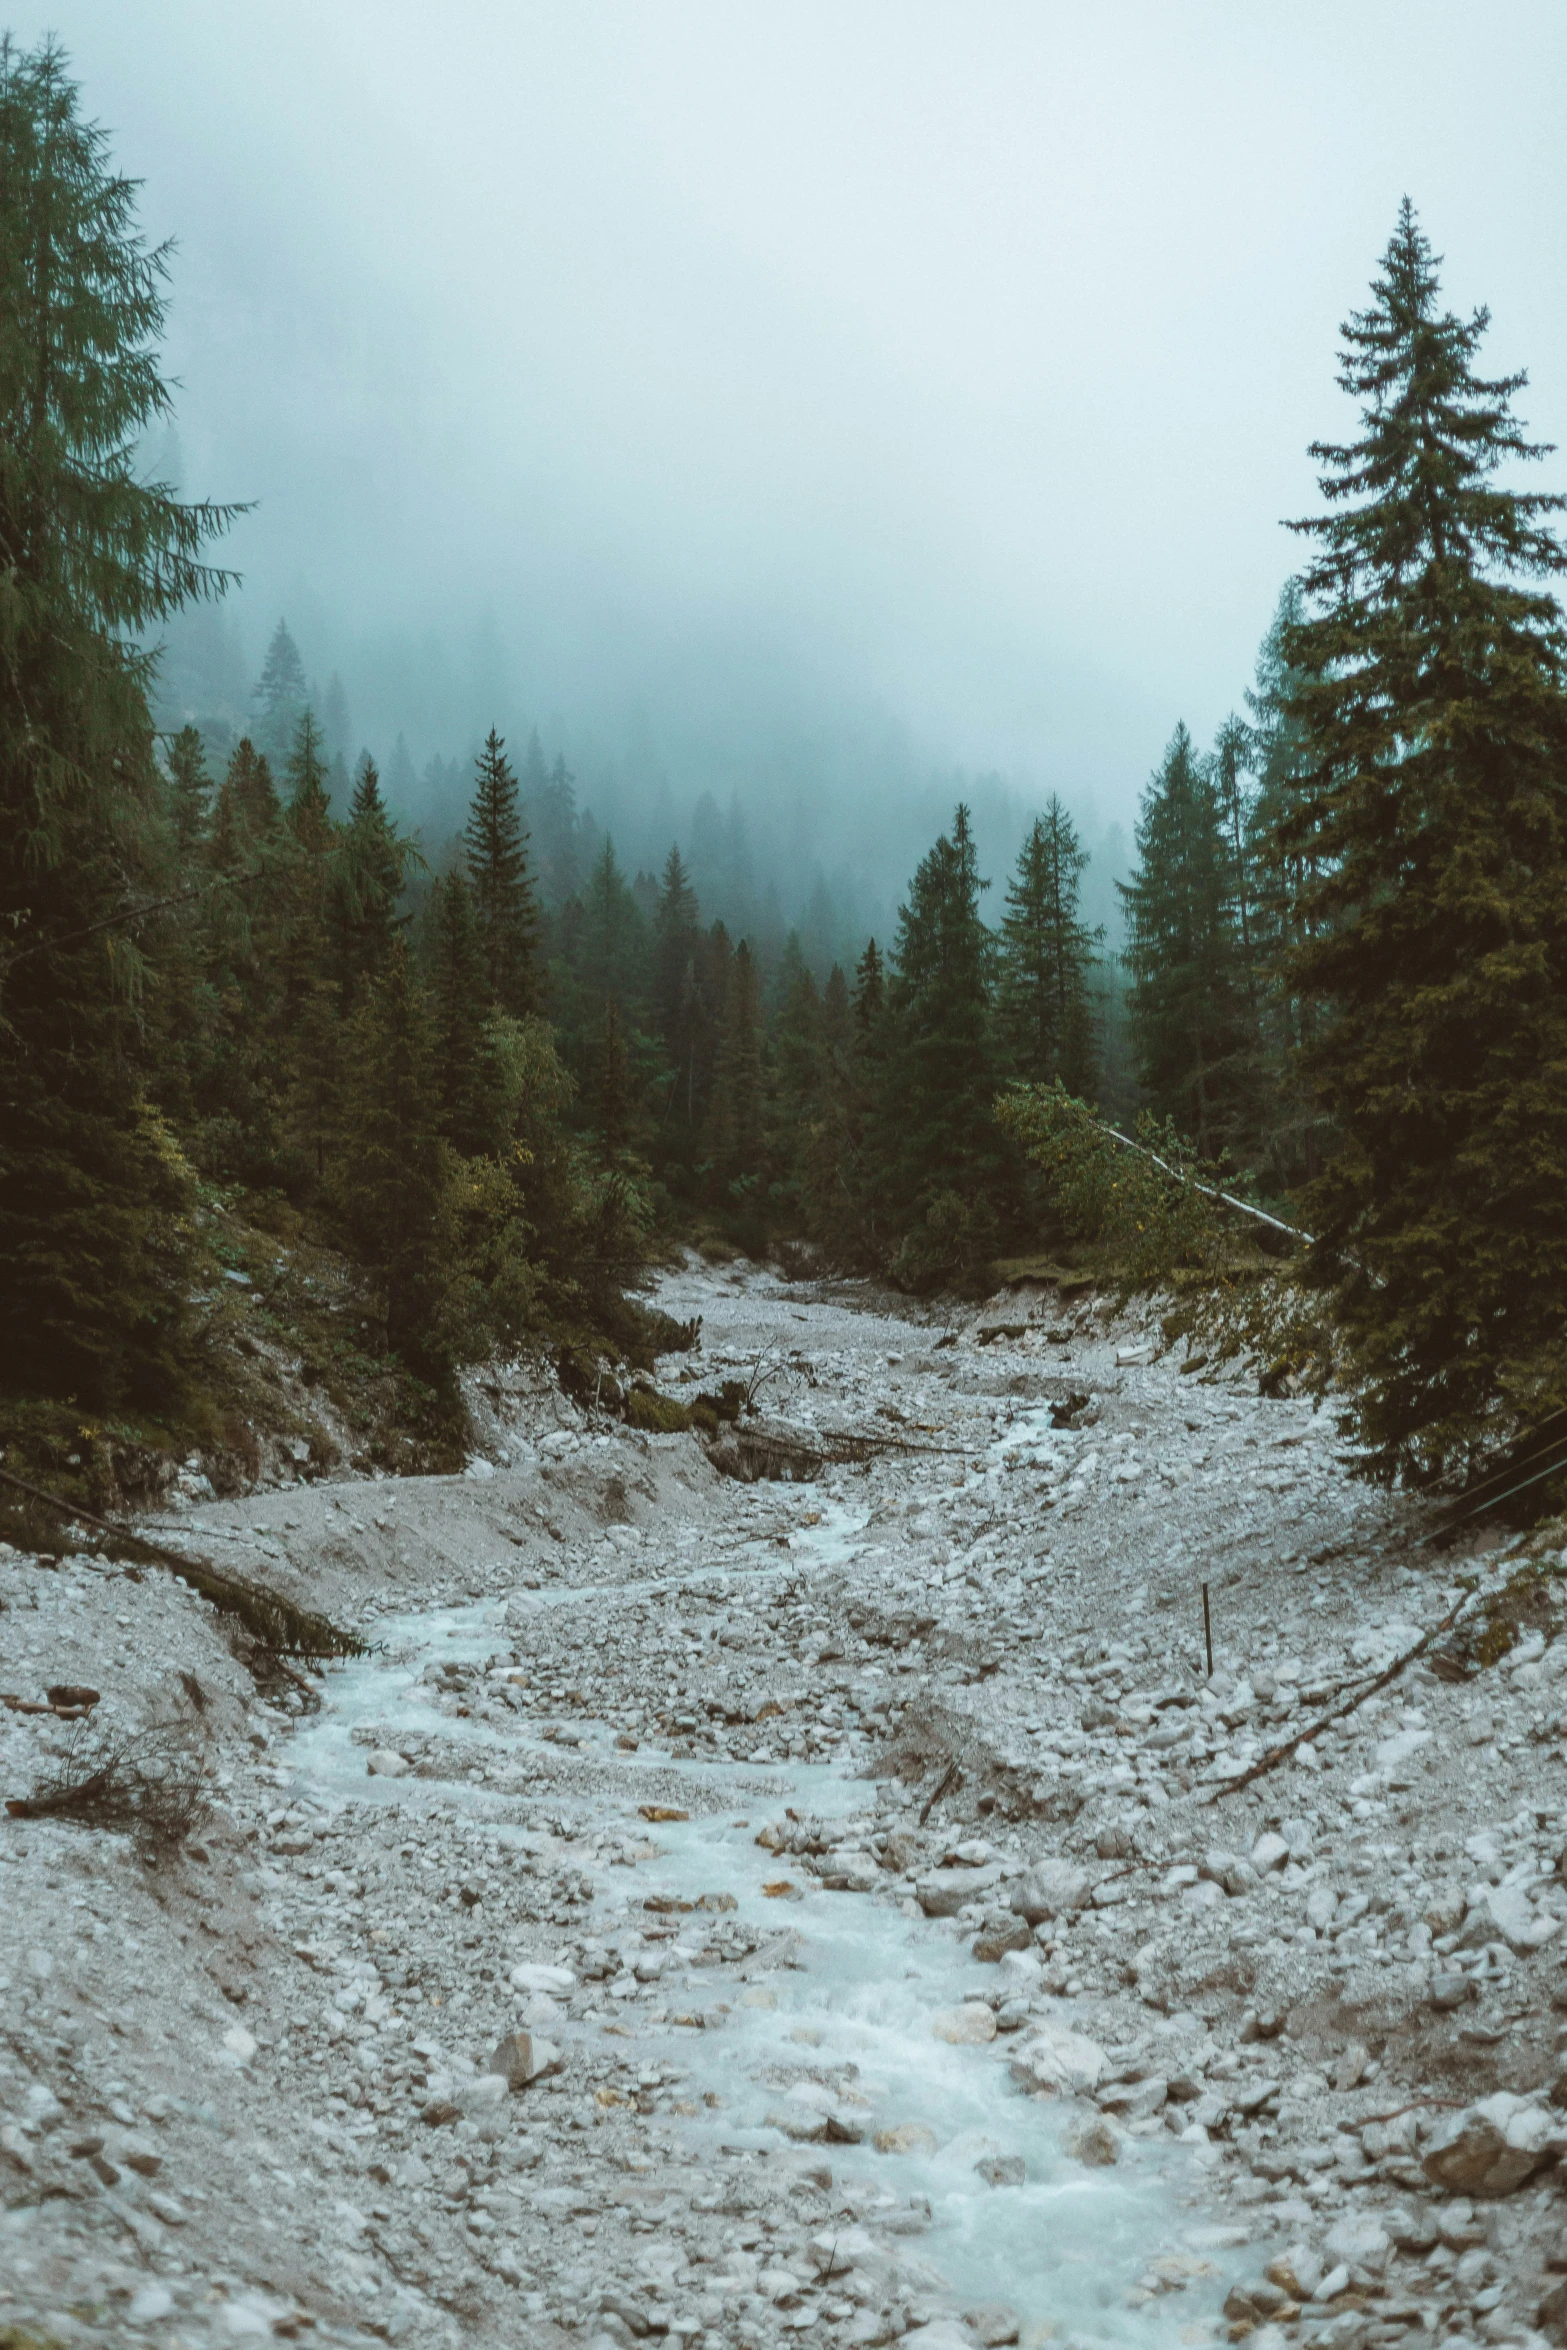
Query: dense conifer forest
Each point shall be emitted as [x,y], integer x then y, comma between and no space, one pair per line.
[500,1073]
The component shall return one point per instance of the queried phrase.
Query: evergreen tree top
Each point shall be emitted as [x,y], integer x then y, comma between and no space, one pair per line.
[82,305]
[942,938]
[1415,495]
[309,810]
[367,806]
[677,904]
[281,690]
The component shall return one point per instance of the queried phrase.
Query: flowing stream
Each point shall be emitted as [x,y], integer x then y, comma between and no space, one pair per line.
[1068,2244]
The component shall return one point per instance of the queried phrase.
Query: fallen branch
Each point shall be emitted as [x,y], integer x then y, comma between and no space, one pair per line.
[942,1784]
[151,1786]
[1278,1754]
[1195,1183]
[276,1622]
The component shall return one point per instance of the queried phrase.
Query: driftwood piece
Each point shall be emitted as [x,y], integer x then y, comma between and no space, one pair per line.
[1278,1754]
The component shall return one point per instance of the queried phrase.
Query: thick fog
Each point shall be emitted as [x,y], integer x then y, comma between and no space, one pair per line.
[823,408]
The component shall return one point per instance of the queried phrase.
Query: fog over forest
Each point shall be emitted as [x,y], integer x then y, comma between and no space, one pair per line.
[816,415]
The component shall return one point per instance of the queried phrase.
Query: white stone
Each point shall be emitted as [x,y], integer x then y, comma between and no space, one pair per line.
[1051,1890]
[1057,2059]
[533,1976]
[968,2026]
[383,1764]
[1360,2240]
[1504,1913]
[943,1892]
[1492,2146]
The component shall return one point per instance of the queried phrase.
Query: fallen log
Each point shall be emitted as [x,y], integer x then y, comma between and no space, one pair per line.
[279,1624]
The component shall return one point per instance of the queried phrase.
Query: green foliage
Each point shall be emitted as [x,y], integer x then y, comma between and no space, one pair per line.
[1147,1210]
[1153,1217]
[502,886]
[1427,826]
[393,1176]
[937,1139]
[1194,1041]
[281,694]
[1046,957]
[93,1188]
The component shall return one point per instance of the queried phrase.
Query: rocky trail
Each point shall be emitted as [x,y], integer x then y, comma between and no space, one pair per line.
[717,1908]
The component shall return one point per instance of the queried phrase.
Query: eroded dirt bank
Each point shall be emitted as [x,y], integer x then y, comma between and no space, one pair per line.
[962,2003]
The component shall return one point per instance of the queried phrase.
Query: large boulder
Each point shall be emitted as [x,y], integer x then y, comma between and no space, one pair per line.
[1504,1913]
[522,2057]
[1493,2146]
[1059,2061]
[1052,1890]
[943,1892]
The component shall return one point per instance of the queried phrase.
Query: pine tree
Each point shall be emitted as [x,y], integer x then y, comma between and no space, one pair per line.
[835,1010]
[281,695]
[92,1188]
[1430,827]
[678,1008]
[190,795]
[497,850]
[257,808]
[611,937]
[870,993]
[372,867]
[1187,1004]
[949,1168]
[734,1122]
[464,1070]
[675,932]
[613,1093]
[393,1175]
[1046,957]
[309,806]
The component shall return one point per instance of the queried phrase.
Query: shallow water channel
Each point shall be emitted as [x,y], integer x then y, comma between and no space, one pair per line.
[1068,2246]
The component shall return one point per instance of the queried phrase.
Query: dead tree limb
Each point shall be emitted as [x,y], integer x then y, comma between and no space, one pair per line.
[1278,1754]
[948,1776]
[1195,1183]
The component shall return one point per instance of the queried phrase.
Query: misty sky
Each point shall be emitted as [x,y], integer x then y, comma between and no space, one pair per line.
[684,372]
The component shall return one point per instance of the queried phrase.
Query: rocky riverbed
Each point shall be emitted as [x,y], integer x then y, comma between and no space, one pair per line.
[720,1908]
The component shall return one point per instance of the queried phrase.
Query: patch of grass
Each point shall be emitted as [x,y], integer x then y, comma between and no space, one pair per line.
[659,1415]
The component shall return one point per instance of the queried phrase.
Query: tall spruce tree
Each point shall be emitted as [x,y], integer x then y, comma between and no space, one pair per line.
[465,1076]
[372,866]
[1046,957]
[393,1173]
[734,1120]
[281,695]
[497,849]
[190,796]
[613,1093]
[1187,1006]
[677,991]
[309,801]
[949,1166]
[1429,823]
[256,803]
[92,1188]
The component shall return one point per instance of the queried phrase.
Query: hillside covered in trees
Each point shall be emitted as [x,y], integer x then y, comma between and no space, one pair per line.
[500,1073]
